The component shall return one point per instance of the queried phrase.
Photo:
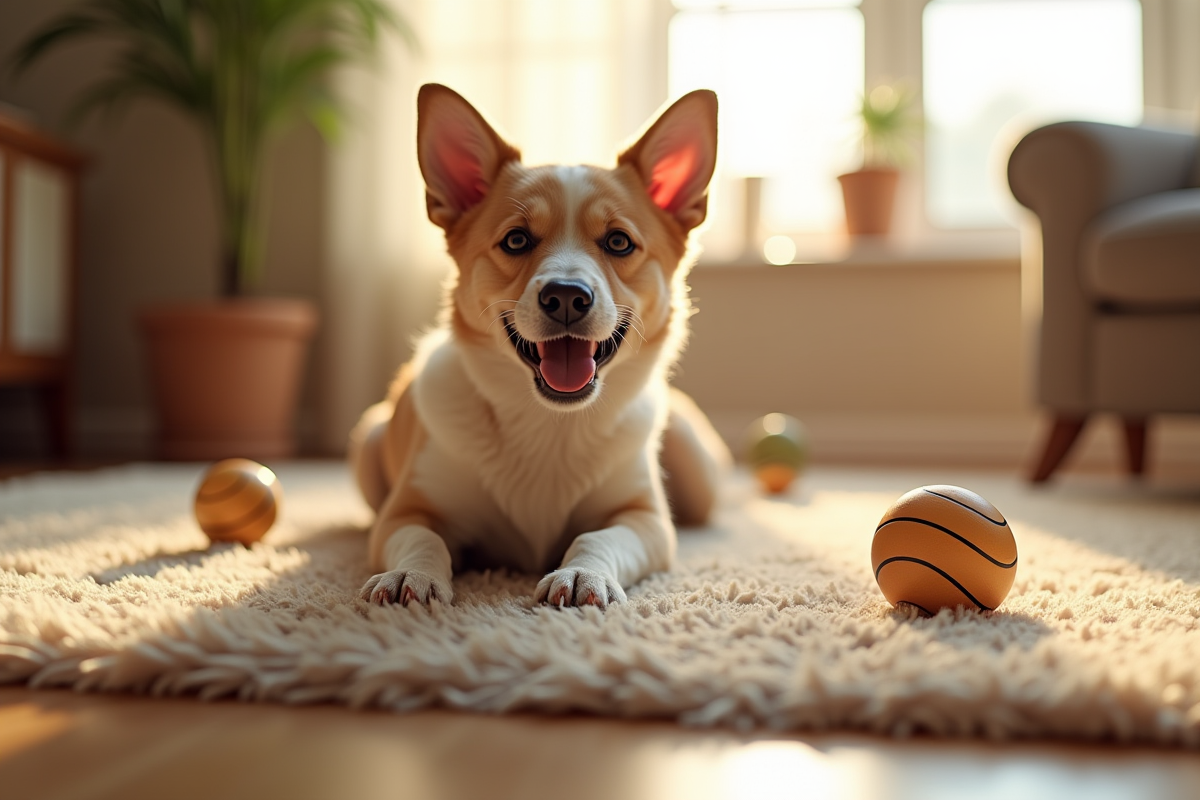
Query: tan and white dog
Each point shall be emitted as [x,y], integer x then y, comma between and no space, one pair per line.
[525,433]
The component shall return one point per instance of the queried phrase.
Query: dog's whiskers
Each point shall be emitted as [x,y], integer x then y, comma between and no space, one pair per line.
[631,322]
[513,334]
[498,302]
[503,316]
[631,317]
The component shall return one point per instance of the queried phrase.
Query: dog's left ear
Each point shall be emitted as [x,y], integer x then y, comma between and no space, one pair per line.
[676,157]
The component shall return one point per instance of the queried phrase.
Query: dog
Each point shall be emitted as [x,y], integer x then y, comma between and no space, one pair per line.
[534,428]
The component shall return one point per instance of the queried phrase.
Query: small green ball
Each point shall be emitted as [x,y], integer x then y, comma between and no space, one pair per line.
[777,439]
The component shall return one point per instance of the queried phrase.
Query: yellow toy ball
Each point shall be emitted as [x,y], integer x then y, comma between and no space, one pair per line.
[237,501]
[776,450]
[941,547]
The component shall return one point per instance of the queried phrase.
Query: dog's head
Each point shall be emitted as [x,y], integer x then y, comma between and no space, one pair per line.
[570,271]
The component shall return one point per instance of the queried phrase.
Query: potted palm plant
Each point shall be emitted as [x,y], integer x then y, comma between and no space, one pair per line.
[226,373]
[887,123]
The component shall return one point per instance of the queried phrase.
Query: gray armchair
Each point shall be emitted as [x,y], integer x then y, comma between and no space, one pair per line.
[1120,277]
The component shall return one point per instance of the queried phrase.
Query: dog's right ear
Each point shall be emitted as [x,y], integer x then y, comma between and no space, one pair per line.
[458,151]
[676,157]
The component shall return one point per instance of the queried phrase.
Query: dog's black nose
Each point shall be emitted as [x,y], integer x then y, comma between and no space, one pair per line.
[565,301]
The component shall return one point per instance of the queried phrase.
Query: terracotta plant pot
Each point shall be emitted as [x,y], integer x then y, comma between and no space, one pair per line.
[870,196]
[226,376]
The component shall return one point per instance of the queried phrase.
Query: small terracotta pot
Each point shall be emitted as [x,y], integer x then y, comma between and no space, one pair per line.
[226,376]
[870,196]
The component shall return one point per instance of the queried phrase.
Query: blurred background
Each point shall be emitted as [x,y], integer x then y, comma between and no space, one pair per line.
[907,349]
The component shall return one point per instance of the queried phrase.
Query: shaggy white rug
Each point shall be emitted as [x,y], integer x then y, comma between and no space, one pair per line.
[771,618]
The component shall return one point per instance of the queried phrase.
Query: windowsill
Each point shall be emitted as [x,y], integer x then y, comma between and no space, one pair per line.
[999,248]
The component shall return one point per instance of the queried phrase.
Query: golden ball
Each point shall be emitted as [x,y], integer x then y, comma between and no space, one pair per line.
[775,478]
[237,501]
[942,547]
[776,448]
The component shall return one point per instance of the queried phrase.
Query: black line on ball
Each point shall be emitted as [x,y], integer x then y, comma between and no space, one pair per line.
[238,484]
[939,571]
[1001,523]
[962,539]
[917,606]
[264,506]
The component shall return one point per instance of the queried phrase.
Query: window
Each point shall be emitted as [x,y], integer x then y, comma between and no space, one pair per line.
[551,74]
[994,69]
[790,76]
[789,81]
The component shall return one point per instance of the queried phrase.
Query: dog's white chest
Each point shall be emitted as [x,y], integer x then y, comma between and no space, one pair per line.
[512,479]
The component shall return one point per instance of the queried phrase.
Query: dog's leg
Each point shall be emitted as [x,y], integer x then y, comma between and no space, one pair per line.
[415,562]
[419,570]
[598,565]
[365,454]
[694,458]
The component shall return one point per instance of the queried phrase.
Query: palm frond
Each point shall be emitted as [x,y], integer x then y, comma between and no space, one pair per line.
[64,29]
[174,84]
[287,83]
[164,25]
[325,113]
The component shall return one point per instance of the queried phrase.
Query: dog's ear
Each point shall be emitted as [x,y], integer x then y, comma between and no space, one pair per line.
[458,151]
[676,157]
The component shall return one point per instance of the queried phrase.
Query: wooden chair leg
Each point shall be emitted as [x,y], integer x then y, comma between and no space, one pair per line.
[56,399]
[1063,433]
[1135,444]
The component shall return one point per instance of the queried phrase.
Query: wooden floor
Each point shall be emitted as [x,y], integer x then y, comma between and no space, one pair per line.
[57,744]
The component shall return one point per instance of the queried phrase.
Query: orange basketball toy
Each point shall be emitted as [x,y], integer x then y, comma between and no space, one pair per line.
[941,547]
[237,501]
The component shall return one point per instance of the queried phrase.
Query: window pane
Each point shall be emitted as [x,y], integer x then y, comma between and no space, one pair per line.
[788,83]
[994,68]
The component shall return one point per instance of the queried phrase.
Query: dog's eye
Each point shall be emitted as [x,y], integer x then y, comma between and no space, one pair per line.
[516,242]
[618,243]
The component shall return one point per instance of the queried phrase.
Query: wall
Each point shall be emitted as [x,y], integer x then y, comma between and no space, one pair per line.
[148,233]
[897,361]
[900,362]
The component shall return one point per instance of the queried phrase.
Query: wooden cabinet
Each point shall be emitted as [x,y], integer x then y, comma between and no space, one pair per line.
[39,219]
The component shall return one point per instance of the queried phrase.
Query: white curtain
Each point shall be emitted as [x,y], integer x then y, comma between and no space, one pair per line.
[565,80]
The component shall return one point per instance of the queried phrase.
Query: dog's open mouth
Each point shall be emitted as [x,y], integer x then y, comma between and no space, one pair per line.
[565,369]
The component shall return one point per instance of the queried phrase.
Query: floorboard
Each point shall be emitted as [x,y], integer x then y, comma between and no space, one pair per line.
[56,745]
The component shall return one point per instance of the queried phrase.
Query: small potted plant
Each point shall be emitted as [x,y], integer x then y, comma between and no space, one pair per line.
[226,373]
[888,121]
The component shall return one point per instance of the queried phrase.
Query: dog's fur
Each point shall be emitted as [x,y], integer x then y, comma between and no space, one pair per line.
[484,455]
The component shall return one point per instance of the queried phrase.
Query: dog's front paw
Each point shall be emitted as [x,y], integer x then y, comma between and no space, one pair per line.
[575,586]
[404,587]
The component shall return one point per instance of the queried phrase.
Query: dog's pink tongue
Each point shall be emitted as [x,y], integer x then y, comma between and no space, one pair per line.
[567,363]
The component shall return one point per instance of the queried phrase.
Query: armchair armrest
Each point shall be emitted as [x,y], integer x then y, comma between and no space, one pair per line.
[1068,174]
[1081,169]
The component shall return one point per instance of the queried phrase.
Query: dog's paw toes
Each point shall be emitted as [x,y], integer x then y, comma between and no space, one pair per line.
[405,587]
[367,592]
[382,589]
[555,589]
[561,596]
[574,586]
